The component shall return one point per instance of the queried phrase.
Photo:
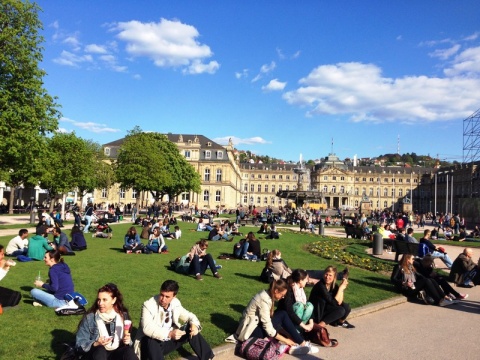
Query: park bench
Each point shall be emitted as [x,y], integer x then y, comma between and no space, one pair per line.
[403,247]
[354,232]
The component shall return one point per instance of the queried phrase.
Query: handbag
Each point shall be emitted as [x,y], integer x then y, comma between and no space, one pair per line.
[319,335]
[259,349]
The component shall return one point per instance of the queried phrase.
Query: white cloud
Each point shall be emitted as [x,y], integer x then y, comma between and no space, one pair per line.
[72,41]
[265,69]
[70,59]
[296,55]
[472,37]
[89,126]
[168,43]
[197,67]
[96,49]
[241,74]
[238,141]
[280,53]
[137,77]
[360,91]
[444,54]
[274,85]
[467,63]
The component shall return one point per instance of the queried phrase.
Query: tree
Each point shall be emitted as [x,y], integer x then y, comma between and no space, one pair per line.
[150,162]
[75,163]
[27,113]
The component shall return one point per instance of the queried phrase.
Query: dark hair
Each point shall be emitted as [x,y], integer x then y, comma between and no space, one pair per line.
[55,255]
[203,242]
[75,229]
[1,247]
[297,276]
[22,232]
[112,289]
[279,285]
[132,230]
[170,285]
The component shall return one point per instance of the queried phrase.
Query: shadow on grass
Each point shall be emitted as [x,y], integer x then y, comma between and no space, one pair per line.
[251,277]
[60,340]
[118,249]
[224,322]
[378,283]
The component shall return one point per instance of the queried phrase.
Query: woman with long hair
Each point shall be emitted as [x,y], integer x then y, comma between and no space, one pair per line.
[101,333]
[132,241]
[327,298]
[260,320]
[280,269]
[60,282]
[156,242]
[295,301]
[412,284]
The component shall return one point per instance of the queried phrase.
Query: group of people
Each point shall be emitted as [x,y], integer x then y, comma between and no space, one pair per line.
[155,232]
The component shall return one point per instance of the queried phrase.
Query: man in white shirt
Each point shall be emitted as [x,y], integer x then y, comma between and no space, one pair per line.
[166,325]
[18,245]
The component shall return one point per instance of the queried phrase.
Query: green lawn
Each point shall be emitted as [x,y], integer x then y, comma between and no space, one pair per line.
[28,332]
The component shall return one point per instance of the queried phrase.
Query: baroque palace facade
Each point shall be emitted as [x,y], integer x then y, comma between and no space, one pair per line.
[227,184]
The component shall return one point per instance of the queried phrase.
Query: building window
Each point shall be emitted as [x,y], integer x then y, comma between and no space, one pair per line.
[400,180]
[104,193]
[259,188]
[274,177]
[207,175]
[364,191]
[280,177]
[245,199]
[342,178]
[356,191]
[325,188]
[122,193]
[245,187]
[415,181]
[294,187]
[252,188]
[258,200]
[400,192]
[208,154]
[217,196]
[266,188]
[187,154]
[371,191]
[385,192]
[385,180]
[287,188]
[408,181]
[288,177]
[186,196]
[273,188]
[385,204]
[206,195]
[334,189]
[325,177]
[334,178]
[134,194]
[106,151]
[273,201]
[219,175]
[266,176]
[393,192]
[279,187]
[342,189]
[356,203]
[265,200]
[252,176]
[220,155]
[259,176]
[371,179]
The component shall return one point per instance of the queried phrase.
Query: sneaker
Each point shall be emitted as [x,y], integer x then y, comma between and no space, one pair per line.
[37,304]
[218,276]
[299,350]
[129,251]
[423,296]
[232,339]
[282,349]
[346,325]
[462,296]
[313,349]
[446,302]
[198,277]
[218,267]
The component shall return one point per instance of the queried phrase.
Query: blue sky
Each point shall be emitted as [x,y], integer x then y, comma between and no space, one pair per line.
[278,77]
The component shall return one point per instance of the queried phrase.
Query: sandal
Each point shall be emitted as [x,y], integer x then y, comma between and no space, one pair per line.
[333,343]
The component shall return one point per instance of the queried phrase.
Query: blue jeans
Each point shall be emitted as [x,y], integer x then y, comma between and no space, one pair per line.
[242,250]
[154,248]
[88,218]
[444,257]
[280,320]
[47,299]
[19,252]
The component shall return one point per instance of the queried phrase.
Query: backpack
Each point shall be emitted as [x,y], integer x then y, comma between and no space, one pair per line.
[266,276]
[259,349]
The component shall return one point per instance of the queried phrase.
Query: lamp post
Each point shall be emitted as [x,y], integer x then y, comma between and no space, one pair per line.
[32,212]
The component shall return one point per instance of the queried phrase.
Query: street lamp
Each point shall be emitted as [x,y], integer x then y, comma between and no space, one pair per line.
[32,212]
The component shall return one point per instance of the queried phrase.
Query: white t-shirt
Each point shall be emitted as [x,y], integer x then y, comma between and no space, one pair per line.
[16,244]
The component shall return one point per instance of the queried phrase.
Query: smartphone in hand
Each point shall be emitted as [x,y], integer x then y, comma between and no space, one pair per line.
[345,273]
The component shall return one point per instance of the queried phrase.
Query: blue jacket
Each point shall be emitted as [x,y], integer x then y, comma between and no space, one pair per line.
[61,282]
[132,242]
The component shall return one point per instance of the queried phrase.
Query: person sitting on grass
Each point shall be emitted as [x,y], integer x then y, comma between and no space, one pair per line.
[412,284]
[78,242]
[328,300]
[38,244]
[200,260]
[156,243]
[268,323]
[101,333]
[295,301]
[177,234]
[132,242]
[248,248]
[18,245]
[7,297]
[218,232]
[60,282]
[60,240]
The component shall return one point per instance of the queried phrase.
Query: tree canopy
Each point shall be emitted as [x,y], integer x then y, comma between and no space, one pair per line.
[150,162]
[27,112]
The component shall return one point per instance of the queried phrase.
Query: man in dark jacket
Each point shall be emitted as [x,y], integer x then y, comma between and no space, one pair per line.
[464,271]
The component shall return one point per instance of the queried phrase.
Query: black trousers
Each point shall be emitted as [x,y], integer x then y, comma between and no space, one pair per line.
[153,349]
[333,313]
[121,353]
